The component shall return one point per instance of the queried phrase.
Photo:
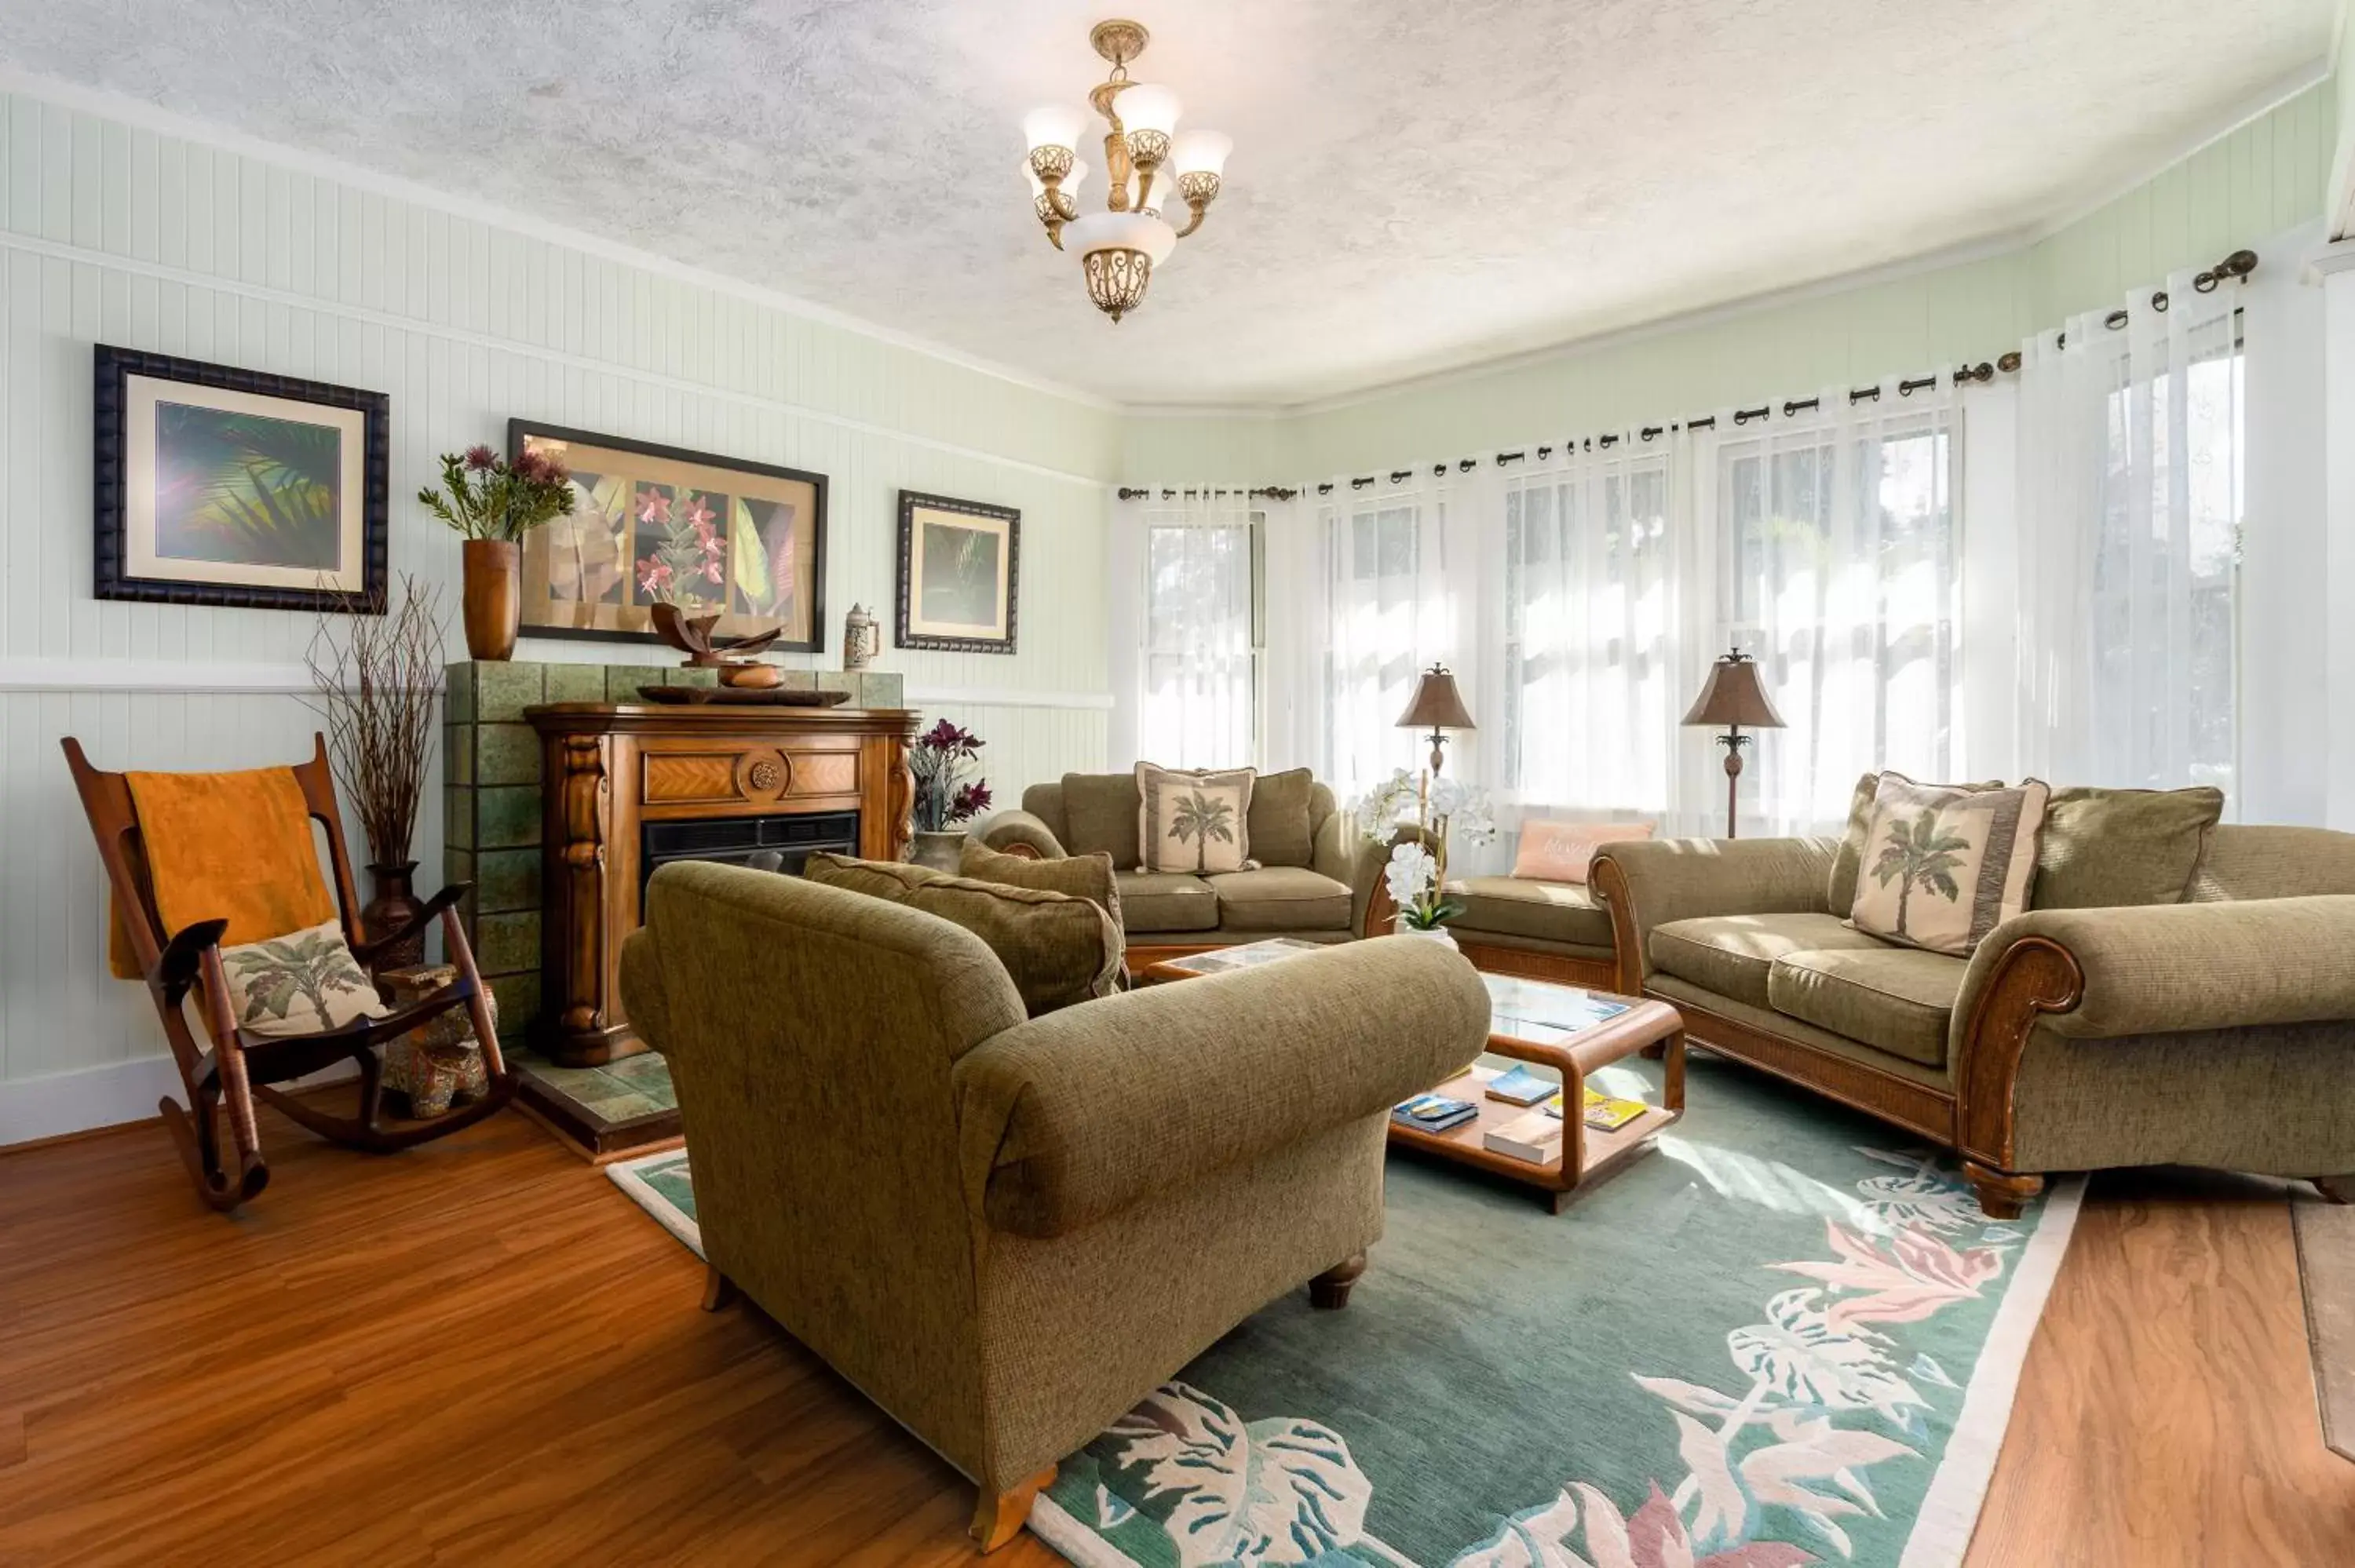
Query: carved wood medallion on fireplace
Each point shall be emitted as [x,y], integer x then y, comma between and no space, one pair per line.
[629,788]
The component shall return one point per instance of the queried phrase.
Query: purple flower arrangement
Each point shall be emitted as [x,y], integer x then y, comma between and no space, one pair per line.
[943,758]
[484,497]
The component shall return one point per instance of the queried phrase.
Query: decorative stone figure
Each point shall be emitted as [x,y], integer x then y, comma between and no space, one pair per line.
[862,638]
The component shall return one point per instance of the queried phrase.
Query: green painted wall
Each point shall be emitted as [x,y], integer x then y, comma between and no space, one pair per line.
[2261,179]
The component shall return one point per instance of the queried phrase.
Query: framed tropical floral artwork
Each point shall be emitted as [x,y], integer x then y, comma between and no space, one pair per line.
[221,486]
[958,578]
[654,524]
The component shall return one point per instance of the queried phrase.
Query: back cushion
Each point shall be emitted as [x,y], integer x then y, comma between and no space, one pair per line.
[1558,852]
[1089,876]
[1100,812]
[1045,801]
[1057,950]
[1282,832]
[2105,848]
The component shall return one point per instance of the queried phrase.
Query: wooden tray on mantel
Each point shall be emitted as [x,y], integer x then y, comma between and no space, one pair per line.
[748,697]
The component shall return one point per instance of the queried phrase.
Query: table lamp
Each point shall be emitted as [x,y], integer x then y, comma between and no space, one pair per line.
[1437,707]
[1734,697]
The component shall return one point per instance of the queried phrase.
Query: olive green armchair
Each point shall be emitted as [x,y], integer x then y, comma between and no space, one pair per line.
[1009,1231]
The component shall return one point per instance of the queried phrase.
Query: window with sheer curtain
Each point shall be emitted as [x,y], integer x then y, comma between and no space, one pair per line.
[1387,614]
[1590,659]
[2165,621]
[1200,701]
[1839,571]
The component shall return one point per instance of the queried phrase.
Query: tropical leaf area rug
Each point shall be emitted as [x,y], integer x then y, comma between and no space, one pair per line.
[1782,1337]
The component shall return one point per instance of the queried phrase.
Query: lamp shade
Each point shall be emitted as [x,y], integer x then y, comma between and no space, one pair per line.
[1436,705]
[1200,152]
[1734,695]
[1148,106]
[1053,126]
[1121,231]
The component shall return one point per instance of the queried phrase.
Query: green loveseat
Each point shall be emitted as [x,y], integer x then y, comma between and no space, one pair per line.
[1007,1231]
[1317,878]
[2211,1021]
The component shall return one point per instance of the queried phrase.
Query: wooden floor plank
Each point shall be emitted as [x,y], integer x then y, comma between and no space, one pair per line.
[479,1351]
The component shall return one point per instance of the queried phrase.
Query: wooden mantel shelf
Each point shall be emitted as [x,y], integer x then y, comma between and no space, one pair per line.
[610,769]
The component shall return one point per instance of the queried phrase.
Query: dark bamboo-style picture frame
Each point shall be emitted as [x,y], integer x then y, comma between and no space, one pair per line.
[936,597]
[126,464]
[571,586]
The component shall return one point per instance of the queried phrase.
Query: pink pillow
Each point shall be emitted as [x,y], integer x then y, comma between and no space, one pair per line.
[1558,852]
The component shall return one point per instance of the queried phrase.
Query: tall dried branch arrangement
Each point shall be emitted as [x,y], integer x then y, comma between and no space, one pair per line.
[379,686]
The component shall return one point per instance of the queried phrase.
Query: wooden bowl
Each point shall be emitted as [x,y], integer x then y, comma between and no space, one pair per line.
[751,677]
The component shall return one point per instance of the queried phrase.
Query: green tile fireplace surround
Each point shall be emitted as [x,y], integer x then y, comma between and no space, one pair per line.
[491,819]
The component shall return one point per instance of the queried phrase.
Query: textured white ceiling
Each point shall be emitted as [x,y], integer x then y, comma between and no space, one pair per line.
[1414,185]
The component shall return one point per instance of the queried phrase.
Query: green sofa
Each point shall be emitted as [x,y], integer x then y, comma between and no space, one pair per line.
[1316,880]
[1007,1231]
[2211,1021]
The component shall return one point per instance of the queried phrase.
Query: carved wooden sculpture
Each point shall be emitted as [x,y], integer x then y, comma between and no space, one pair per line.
[241,1065]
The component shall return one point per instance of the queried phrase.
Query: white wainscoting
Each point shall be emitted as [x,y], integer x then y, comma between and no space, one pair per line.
[116,233]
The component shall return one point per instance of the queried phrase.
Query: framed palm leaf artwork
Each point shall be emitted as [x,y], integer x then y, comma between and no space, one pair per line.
[654,524]
[958,577]
[221,486]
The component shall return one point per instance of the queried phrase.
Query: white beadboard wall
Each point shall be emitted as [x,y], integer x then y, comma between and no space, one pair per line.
[119,233]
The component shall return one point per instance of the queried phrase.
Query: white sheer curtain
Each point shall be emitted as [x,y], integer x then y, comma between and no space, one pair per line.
[1399,590]
[2131,479]
[1198,701]
[1838,567]
[1597,547]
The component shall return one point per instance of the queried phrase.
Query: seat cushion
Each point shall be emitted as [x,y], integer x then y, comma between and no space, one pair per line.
[2105,848]
[1281,898]
[1525,907]
[1281,830]
[1730,954]
[1100,814]
[1163,901]
[1898,1000]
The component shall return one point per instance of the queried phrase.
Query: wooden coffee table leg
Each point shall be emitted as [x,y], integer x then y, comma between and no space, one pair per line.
[1672,1074]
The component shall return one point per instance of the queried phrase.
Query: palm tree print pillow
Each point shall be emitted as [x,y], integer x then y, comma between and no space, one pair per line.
[1193,822]
[1944,867]
[301,983]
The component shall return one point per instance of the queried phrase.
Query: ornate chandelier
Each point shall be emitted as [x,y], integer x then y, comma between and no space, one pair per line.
[1120,247]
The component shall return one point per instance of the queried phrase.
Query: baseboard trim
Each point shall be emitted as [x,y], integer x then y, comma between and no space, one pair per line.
[66,1105]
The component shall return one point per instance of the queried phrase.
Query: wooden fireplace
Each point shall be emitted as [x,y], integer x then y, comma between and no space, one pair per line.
[627,786]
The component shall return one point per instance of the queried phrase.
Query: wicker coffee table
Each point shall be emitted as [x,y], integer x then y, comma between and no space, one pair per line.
[1537,1022]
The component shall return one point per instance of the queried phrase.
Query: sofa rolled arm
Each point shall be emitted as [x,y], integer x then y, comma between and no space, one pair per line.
[1071,1117]
[1647,883]
[1019,832]
[2164,967]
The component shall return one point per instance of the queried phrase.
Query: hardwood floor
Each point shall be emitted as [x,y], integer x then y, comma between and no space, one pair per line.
[477,1351]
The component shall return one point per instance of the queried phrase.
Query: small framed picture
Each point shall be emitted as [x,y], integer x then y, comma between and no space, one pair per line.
[655,525]
[958,578]
[221,486]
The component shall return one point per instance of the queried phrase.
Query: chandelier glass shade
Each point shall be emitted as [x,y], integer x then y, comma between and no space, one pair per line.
[1153,176]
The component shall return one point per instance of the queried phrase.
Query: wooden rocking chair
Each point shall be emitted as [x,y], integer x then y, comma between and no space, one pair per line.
[243,1063]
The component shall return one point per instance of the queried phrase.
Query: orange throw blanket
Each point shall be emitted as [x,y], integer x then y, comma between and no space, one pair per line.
[226,846]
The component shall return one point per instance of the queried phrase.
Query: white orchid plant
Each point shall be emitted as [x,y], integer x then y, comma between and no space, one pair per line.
[1443,810]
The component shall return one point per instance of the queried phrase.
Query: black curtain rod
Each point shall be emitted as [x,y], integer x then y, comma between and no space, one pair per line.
[2231,268]
[1271,492]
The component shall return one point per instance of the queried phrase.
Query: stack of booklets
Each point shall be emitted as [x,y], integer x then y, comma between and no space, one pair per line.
[1537,1137]
[1432,1113]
